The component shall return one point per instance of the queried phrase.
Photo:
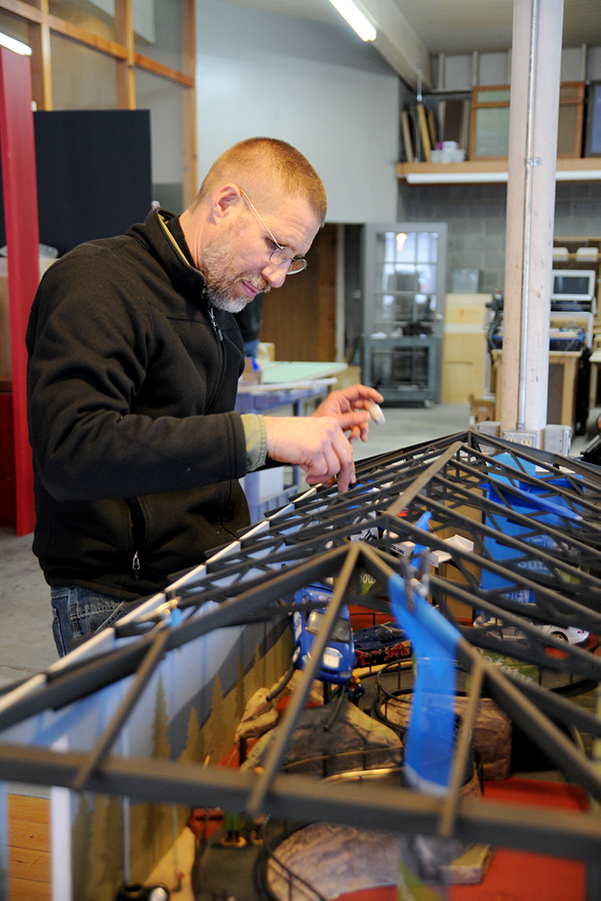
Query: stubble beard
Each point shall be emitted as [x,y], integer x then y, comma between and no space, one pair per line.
[218,268]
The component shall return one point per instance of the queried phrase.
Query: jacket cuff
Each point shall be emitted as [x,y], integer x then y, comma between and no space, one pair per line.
[255,434]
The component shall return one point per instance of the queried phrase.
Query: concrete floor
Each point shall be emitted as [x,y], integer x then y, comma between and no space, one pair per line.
[26,643]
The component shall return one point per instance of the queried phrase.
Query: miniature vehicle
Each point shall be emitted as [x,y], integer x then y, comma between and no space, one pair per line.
[339,655]
[512,633]
[496,628]
[380,644]
[566,633]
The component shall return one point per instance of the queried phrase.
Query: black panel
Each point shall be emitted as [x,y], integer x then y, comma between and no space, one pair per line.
[93,173]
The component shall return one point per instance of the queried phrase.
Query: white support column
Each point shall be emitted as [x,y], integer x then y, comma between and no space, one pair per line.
[535,76]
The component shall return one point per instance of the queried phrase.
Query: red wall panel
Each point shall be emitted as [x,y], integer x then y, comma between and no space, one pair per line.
[21,225]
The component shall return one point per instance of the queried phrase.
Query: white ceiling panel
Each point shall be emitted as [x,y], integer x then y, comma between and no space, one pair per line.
[449,26]
[455,26]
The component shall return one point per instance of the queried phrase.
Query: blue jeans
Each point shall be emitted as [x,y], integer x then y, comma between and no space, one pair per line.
[81,612]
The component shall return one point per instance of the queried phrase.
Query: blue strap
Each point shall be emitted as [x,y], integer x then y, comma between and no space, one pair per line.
[430,737]
[422,523]
[556,506]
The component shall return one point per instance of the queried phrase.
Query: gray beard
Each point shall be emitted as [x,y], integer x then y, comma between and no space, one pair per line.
[218,263]
[227,303]
[221,299]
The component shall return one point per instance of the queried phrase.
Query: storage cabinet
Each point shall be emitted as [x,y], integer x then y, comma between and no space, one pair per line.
[403,369]
[404,275]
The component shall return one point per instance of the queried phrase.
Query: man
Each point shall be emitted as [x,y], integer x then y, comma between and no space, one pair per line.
[134,360]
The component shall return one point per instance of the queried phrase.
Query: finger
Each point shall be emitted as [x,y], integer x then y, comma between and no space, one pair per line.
[355,393]
[336,460]
[346,476]
[318,480]
[346,473]
[375,412]
[324,465]
[354,417]
[344,399]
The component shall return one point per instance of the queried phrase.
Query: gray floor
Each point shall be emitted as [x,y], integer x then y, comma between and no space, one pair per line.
[26,643]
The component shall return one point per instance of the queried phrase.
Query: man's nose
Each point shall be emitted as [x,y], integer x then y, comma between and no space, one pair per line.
[275,273]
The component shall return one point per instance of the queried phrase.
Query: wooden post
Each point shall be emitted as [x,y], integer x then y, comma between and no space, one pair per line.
[534,109]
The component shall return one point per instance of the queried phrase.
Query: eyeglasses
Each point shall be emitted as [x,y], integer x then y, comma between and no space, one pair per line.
[280,255]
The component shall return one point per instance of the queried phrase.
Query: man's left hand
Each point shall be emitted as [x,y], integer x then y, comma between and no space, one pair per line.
[355,397]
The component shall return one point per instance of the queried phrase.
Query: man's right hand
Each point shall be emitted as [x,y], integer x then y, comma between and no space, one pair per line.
[318,444]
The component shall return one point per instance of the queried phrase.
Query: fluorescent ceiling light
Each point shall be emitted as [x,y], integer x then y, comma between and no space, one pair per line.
[16,46]
[356,19]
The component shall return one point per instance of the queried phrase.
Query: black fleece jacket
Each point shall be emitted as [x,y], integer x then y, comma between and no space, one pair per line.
[132,382]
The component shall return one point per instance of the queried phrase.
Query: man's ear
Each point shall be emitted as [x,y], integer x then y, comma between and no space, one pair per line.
[226,200]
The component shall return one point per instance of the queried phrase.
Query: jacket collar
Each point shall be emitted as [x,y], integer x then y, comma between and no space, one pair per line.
[163,244]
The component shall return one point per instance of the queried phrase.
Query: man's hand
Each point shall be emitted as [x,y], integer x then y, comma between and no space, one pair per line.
[317,444]
[355,397]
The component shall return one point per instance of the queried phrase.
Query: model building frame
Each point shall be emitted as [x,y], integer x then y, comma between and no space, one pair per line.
[469,522]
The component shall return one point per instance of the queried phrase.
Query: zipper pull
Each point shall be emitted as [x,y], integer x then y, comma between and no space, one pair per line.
[214,322]
[135,565]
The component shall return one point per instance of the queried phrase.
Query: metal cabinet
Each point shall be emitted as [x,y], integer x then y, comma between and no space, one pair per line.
[404,282]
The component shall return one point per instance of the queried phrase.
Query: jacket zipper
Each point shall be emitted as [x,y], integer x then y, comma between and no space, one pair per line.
[138,534]
[219,335]
[135,565]
[218,331]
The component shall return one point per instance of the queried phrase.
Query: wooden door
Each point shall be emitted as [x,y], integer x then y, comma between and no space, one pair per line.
[300,317]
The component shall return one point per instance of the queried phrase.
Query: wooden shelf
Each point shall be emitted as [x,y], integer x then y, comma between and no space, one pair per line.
[588,169]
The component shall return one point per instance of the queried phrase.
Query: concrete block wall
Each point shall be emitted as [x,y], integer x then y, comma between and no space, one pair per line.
[578,210]
[476,213]
[476,216]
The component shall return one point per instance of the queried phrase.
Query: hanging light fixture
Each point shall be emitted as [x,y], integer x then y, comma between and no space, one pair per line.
[356,18]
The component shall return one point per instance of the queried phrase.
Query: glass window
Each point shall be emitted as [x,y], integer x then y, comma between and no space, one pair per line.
[162,30]
[406,273]
[427,247]
[97,17]
[81,78]
[165,100]
[492,96]
[492,132]
[405,247]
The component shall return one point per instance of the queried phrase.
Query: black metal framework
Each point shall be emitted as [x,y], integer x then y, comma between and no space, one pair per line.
[531,525]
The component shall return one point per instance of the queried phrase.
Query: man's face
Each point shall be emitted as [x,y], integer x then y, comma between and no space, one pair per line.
[236,262]
[227,287]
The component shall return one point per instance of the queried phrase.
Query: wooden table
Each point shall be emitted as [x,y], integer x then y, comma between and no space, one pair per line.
[594,360]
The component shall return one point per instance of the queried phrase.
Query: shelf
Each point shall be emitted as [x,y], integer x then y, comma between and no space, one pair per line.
[490,171]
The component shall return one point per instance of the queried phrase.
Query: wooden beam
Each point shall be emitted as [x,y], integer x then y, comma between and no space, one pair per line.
[126,82]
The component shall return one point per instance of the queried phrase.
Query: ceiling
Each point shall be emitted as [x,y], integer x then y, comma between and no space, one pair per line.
[442,26]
